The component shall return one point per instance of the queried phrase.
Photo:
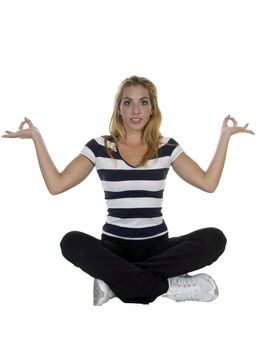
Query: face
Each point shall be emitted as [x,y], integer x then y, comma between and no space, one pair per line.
[135,107]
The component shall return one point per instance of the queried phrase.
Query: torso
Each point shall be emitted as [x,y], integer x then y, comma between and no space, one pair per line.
[134,195]
[132,155]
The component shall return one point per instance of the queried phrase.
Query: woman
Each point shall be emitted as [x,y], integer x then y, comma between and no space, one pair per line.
[135,259]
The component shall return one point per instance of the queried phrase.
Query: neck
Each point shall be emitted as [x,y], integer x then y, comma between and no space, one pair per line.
[133,139]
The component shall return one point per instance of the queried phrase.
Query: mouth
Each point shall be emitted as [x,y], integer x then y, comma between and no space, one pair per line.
[136,120]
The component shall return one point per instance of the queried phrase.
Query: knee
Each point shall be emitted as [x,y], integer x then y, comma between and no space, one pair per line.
[69,243]
[217,239]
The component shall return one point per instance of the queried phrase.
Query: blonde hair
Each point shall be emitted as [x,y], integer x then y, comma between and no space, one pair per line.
[150,134]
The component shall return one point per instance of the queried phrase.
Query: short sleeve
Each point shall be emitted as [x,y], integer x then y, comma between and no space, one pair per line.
[89,152]
[177,151]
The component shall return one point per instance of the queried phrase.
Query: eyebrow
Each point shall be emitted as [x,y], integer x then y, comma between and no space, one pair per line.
[129,98]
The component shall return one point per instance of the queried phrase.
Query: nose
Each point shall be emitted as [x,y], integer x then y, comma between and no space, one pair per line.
[136,108]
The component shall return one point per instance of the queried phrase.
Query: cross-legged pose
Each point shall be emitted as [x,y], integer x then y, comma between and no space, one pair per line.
[135,259]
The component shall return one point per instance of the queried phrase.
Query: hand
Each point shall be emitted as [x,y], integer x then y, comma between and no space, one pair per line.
[235,129]
[22,133]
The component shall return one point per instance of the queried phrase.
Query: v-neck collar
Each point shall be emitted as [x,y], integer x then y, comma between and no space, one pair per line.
[116,149]
[132,166]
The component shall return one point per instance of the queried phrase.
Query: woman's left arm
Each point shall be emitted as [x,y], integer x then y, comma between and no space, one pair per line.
[208,180]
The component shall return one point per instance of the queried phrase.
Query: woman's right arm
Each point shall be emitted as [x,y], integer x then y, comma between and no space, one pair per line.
[56,182]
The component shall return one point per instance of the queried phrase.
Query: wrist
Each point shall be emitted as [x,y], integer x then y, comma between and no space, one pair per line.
[225,135]
[36,136]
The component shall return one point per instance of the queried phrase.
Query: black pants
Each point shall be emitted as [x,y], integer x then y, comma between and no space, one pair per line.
[137,271]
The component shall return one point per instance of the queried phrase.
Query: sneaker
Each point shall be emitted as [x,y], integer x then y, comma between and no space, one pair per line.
[200,287]
[102,292]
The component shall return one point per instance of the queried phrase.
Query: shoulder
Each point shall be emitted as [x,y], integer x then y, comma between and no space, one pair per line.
[168,141]
[95,148]
[95,141]
[169,147]
[100,142]
[100,145]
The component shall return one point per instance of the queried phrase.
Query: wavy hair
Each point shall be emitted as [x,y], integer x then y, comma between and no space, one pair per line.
[151,134]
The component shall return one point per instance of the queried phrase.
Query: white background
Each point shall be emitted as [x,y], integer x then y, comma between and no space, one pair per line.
[60,65]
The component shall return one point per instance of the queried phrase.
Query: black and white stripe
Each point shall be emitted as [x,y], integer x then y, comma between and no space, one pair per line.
[133,195]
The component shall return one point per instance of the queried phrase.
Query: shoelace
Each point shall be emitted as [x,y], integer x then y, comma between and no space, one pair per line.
[184,288]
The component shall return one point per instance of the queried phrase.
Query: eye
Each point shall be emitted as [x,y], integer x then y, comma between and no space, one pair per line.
[126,103]
[144,102]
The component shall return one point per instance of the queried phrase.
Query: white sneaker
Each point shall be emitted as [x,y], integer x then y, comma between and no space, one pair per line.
[200,287]
[102,292]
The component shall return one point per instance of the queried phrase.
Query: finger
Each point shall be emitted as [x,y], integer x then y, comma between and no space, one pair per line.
[246,130]
[225,123]
[250,132]
[28,121]
[21,126]
[242,129]
[233,120]
[9,134]
[235,123]
[225,120]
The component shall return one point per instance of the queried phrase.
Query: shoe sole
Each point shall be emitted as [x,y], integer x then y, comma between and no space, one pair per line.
[98,293]
[214,291]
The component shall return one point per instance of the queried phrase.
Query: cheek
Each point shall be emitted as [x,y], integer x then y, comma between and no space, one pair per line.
[124,115]
[149,111]
[124,109]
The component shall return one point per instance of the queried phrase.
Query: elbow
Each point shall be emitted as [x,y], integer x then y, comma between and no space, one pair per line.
[210,188]
[58,189]
[55,186]
[54,191]
[210,185]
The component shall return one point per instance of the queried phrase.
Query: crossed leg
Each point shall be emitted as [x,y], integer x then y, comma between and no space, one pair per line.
[142,281]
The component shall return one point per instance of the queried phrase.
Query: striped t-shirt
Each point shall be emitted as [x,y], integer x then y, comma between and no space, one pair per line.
[133,195]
